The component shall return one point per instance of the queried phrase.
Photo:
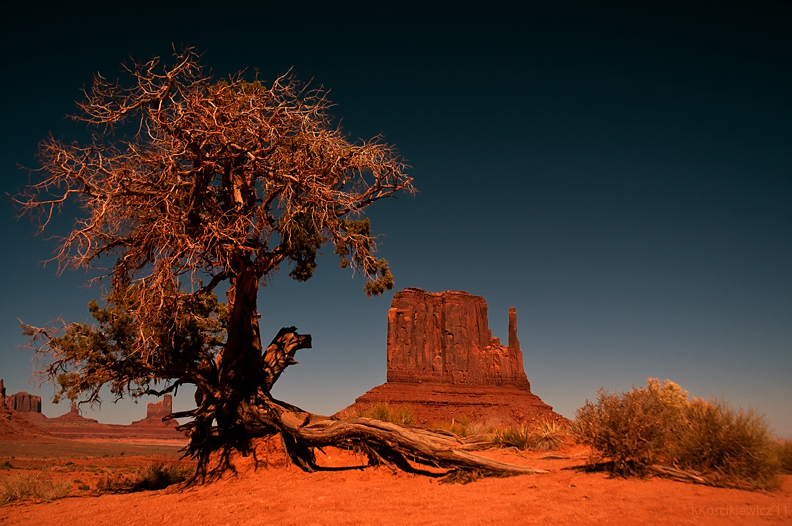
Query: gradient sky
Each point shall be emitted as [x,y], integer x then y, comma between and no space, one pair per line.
[621,175]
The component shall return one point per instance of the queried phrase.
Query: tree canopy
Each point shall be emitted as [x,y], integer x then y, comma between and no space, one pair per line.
[188,182]
[188,179]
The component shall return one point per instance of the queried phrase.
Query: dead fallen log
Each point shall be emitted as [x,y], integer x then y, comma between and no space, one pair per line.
[385,443]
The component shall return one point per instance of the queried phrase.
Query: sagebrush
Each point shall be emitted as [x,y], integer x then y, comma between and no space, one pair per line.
[659,425]
[783,449]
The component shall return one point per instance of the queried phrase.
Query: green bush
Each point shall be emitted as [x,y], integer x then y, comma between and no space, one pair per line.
[658,425]
[30,486]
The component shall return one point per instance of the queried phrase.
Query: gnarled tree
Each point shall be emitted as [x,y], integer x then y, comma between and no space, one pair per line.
[193,181]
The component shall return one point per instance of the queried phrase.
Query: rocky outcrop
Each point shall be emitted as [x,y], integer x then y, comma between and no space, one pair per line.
[445,338]
[156,411]
[160,409]
[444,363]
[73,418]
[23,402]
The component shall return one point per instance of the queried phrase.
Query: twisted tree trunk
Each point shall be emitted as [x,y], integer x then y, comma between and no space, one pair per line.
[241,418]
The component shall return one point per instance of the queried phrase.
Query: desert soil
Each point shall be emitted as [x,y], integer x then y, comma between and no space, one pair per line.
[281,494]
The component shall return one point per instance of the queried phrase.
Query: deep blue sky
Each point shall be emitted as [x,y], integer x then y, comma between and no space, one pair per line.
[622,175]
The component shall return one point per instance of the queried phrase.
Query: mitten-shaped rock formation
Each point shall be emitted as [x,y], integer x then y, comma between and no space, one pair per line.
[444,337]
[444,363]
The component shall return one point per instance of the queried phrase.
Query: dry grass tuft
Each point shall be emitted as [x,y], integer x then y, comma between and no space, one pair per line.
[398,414]
[32,486]
[545,436]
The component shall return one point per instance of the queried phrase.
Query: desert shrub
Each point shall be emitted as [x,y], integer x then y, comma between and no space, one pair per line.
[733,446]
[632,429]
[153,477]
[113,482]
[658,425]
[6,465]
[400,414]
[545,436]
[783,452]
[519,437]
[159,476]
[548,436]
[32,486]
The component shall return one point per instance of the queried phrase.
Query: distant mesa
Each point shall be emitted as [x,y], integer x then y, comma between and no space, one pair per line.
[20,415]
[156,411]
[73,417]
[23,402]
[12,425]
[444,363]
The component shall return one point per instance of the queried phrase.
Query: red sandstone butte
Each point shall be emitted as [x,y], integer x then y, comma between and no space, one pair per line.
[23,402]
[444,363]
[155,411]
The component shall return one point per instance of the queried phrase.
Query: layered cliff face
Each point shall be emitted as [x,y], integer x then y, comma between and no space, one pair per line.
[444,337]
[23,402]
[444,363]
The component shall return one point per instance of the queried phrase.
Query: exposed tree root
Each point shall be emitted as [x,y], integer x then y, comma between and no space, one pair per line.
[392,444]
[240,418]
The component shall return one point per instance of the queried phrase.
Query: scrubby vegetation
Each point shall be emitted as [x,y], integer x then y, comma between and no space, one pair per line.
[153,477]
[783,450]
[159,476]
[461,427]
[546,436]
[399,414]
[32,486]
[659,425]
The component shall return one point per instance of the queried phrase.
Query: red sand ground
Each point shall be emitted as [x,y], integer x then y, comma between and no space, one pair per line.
[282,494]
